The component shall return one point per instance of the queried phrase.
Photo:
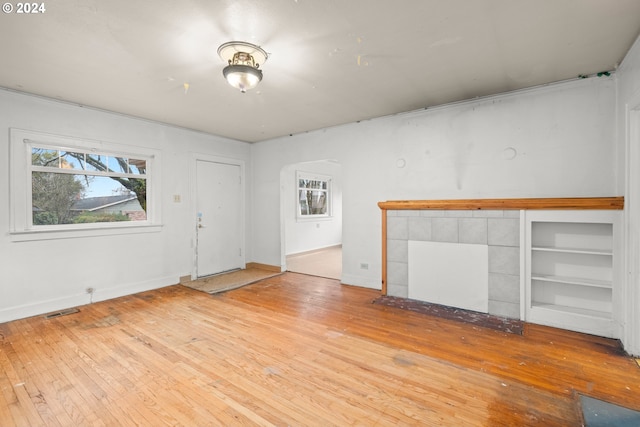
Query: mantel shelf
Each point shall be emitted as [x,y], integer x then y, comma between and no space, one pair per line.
[577,203]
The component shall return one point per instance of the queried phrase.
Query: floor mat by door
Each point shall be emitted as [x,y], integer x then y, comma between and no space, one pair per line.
[228,281]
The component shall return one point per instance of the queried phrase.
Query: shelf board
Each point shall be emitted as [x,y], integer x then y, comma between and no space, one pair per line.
[606,252]
[573,281]
[571,203]
[572,310]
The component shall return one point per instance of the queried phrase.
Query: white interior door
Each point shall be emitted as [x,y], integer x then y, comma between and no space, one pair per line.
[219,217]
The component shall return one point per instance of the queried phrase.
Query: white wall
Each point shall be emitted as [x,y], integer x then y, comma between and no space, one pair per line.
[554,141]
[45,275]
[305,235]
[628,131]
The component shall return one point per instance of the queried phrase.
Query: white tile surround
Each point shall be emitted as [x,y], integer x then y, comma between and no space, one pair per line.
[499,229]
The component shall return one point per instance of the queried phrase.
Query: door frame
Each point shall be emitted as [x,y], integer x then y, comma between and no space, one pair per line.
[631,277]
[193,224]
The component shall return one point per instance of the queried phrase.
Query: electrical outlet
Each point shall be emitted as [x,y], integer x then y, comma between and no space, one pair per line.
[90,290]
[364,266]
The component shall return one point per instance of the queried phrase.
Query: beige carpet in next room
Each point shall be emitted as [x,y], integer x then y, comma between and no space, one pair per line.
[322,262]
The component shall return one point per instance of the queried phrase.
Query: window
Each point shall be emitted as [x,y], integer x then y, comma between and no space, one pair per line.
[74,187]
[314,195]
[78,185]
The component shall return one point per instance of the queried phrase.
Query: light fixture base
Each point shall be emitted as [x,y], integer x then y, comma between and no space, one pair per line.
[228,50]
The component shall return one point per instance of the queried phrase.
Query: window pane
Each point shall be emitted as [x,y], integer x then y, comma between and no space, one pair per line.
[137,166]
[313,202]
[96,162]
[318,203]
[71,160]
[312,183]
[318,184]
[53,195]
[73,199]
[45,157]
[304,206]
[117,164]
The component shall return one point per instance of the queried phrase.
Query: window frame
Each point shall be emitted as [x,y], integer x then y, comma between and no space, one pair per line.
[21,169]
[329,194]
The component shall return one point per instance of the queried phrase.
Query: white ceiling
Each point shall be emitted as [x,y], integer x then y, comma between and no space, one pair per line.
[331,61]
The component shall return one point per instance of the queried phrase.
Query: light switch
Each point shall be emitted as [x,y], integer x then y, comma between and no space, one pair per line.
[176,198]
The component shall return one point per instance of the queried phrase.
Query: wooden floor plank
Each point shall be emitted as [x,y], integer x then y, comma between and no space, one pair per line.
[21,406]
[41,370]
[11,412]
[296,350]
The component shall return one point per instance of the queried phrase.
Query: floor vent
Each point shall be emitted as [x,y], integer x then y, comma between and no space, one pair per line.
[61,313]
[598,413]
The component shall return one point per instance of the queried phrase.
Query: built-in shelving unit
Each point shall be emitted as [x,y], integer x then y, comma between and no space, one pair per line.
[570,270]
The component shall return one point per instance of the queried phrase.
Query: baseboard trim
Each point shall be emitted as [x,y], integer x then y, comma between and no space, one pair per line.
[274,268]
[363,282]
[312,251]
[80,299]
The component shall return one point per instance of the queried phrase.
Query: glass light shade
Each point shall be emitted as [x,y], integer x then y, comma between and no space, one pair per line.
[242,77]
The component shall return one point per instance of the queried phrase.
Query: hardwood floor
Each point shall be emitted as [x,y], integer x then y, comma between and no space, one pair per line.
[295,350]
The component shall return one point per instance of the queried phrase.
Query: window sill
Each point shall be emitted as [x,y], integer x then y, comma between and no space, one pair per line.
[72,233]
[313,218]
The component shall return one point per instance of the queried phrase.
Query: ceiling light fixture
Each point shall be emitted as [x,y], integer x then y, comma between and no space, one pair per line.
[243,59]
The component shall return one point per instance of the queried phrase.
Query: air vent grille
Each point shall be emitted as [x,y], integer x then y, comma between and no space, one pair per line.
[61,313]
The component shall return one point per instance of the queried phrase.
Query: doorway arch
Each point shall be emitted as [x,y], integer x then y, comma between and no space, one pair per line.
[302,236]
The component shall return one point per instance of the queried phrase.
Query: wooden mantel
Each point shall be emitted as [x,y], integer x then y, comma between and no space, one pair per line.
[571,203]
[501,204]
